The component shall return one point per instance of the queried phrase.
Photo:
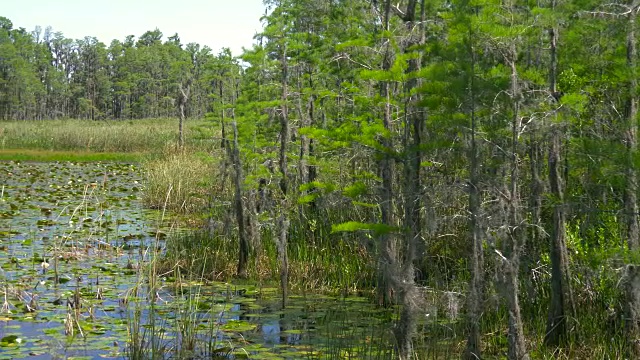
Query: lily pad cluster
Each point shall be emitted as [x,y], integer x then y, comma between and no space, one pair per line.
[77,280]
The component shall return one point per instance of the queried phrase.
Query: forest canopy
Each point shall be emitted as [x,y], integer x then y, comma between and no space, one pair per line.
[47,76]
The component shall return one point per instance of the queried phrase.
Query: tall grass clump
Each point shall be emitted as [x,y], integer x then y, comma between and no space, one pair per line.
[146,337]
[329,264]
[200,254]
[180,181]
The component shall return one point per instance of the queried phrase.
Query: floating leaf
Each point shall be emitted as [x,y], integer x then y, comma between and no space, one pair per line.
[238,326]
[10,340]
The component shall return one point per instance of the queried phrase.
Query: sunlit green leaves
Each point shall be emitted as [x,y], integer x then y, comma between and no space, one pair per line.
[359,226]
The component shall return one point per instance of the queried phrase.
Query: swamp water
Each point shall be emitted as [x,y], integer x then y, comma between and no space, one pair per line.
[75,252]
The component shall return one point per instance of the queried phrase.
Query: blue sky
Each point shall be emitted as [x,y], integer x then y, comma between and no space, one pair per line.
[216,23]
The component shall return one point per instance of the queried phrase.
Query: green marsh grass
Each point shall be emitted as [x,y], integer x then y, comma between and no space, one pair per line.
[130,136]
[146,338]
[195,322]
[200,255]
[180,181]
[344,268]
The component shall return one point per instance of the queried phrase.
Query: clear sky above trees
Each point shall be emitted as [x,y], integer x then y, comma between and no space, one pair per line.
[214,23]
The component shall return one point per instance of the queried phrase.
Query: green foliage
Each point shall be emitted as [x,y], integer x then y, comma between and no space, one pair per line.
[576,102]
[356,189]
[350,226]
[48,76]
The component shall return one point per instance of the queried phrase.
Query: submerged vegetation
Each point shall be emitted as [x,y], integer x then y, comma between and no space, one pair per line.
[373,179]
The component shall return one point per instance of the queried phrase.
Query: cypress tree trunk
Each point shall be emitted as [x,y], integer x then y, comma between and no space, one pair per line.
[284,125]
[631,282]
[183,98]
[631,139]
[414,133]
[306,119]
[223,142]
[514,242]
[388,257]
[561,294]
[556,322]
[534,246]
[239,205]
[476,293]
[632,307]
[181,126]
[283,222]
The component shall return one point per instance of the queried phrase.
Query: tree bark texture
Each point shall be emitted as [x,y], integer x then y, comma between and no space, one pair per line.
[631,138]
[388,256]
[183,98]
[514,241]
[243,255]
[476,293]
[561,294]
[632,308]
[283,221]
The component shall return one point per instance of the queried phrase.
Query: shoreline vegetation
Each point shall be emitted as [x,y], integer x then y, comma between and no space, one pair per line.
[153,143]
[181,181]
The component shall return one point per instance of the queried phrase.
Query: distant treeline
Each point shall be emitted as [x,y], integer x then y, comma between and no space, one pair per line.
[44,75]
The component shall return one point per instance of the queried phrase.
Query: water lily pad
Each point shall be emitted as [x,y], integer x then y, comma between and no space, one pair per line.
[10,340]
[238,326]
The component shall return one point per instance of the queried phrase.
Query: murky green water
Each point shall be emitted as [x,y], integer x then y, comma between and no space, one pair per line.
[75,243]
